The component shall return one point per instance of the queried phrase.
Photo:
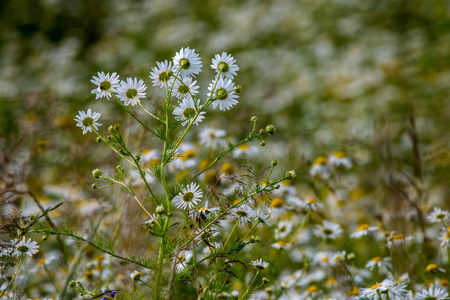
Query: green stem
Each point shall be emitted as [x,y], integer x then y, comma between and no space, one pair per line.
[248,288]
[251,229]
[149,113]
[13,278]
[79,238]
[131,114]
[234,227]
[231,207]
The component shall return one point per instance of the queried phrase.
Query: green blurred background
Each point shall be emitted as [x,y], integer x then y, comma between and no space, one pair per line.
[331,75]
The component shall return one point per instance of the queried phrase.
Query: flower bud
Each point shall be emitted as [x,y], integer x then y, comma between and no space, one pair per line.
[119,169]
[45,237]
[254,119]
[99,139]
[265,280]
[270,129]
[72,284]
[262,143]
[159,209]
[274,163]
[290,175]
[96,173]
[94,186]
[238,89]
[31,217]
[277,186]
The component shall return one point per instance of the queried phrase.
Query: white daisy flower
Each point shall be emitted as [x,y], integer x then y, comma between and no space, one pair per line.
[136,275]
[185,157]
[131,91]
[389,287]
[245,150]
[208,235]
[87,119]
[211,137]
[207,211]
[323,258]
[363,230]
[445,238]
[283,229]
[223,92]
[188,62]
[243,212]
[186,111]
[162,73]
[27,247]
[185,87]
[438,215]
[106,84]
[184,257]
[150,157]
[278,207]
[281,245]
[435,293]
[225,64]
[378,262]
[328,230]
[319,168]
[340,159]
[263,218]
[188,197]
[397,239]
[259,264]
[312,203]
[338,257]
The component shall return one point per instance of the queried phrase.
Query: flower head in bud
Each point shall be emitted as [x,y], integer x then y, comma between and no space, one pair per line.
[31,217]
[265,280]
[94,186]
[270,129]
[136,275]
[262,143]
[96,173]
[99,139]
[254,119]
[290,174]
[159,209]
[238,89]
[72,284]
[274,163]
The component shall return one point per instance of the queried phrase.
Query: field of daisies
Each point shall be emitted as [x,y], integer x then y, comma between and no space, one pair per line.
[169,149]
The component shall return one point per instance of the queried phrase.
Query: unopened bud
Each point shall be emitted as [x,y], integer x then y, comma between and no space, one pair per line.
[31,217]
[94,186]
[265,280]
[99,139]
[45,237]
[274,163]
[270,129]
[254,119]
[238,89]
[72,284]
[290,175]
[262,143]
[96,173]
[159,209]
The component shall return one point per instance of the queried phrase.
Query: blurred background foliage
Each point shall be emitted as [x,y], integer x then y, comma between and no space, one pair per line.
[370,78]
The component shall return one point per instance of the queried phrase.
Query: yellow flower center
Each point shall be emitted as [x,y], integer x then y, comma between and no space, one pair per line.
[41,262]
[353,292]
[277,203]
[320,160]
[187,155]
[187,197]
[431,268]
[312,289]
[227,168]
[363,227]
[339,154]
[399,236]
[244,147]
[377,258]
[281,243]
[311,200]
[375,286]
